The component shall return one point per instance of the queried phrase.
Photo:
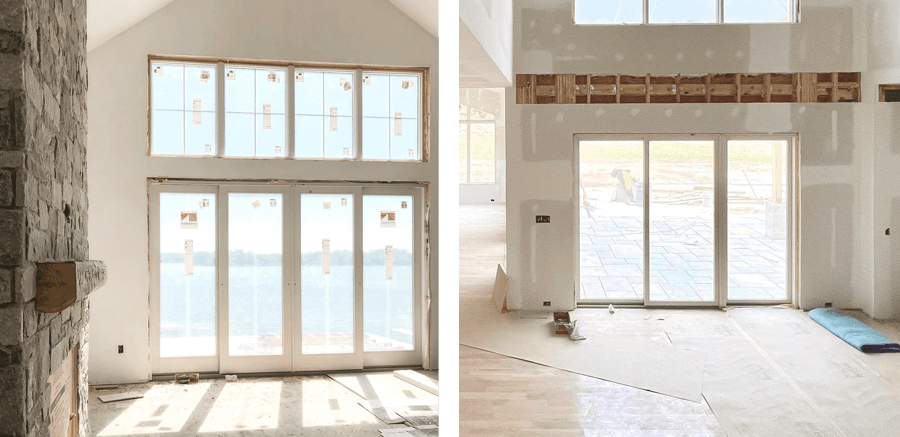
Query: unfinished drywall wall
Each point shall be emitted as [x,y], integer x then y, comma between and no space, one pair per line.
[884,65]
[837,258]
[490,22]
[343,31]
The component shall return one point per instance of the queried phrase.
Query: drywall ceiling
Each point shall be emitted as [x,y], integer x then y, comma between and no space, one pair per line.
[476,68]
[423,12]
[108,18]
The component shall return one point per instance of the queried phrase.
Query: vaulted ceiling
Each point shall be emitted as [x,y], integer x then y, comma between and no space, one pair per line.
[108,18]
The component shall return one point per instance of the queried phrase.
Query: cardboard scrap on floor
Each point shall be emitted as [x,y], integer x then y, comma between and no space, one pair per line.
[387,410]
[419,380]
[120,396]
[500,289]
[641,364]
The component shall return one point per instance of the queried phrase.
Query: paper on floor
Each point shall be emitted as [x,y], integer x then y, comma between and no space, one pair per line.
[650,366]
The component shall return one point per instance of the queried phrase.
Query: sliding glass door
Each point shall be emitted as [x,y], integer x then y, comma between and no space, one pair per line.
[676,220]
[274,278]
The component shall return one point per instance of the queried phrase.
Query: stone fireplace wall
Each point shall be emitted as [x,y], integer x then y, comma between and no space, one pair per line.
[43,203]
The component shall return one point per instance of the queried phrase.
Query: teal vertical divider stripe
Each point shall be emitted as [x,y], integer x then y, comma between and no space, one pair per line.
[449,218]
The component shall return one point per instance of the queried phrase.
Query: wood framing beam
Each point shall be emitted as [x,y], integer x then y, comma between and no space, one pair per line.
[829,87]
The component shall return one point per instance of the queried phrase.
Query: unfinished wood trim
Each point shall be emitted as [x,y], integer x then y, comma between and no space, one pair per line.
[276,63]
[831,87]
[884,89]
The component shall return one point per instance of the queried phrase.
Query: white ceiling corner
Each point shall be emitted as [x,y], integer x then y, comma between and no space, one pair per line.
[423,12]
[108,18]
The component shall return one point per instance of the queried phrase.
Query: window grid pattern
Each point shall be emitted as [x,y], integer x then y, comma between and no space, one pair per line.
[632,12]
[331,128]
[185,116]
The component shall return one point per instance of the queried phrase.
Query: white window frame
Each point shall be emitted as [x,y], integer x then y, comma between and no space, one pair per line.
[720,16]
[720,258]
[358,71]
[292,359]
[469,122]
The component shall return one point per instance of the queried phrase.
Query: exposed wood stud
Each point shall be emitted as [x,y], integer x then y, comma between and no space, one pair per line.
[710,88]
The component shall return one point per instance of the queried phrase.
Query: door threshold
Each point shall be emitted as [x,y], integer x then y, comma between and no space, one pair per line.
[217,375]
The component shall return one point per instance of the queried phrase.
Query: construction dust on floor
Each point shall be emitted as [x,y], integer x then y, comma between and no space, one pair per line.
[271,406]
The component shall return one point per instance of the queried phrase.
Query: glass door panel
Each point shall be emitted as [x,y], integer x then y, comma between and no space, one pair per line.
[327,273]
[255,274]
[388,273]
[187,275]
[611,221]
[682,221]
[757,220]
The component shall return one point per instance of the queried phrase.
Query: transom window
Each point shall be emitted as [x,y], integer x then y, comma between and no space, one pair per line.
[606,12]
[287,110]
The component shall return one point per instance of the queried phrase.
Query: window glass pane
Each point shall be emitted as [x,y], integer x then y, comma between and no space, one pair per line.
[187,274]
[167,132]
[339,140]
[758,11]
[240,89]
[404,138]
[757,220]
[463,114]
[309,93]
[612,222]
[683,11]
[270,142]
[200,84]
[682,220]
[327,279]
[376,138]
[480,115]
[482,148]
[270,91]
[255,274]
[167,86]
[404,96]
[463,153]
[388,273]
[309,141]
[339,93]
[200,133]
[239,133]
[375,95]
[608,11]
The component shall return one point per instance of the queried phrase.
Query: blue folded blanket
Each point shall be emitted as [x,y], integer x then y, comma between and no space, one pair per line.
[853,331]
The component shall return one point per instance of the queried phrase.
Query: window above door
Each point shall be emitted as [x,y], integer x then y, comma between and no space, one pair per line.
[207,107]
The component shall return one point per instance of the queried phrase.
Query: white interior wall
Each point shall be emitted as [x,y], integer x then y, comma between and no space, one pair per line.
[837,254]
[490,21]
[884,66]
[341,31]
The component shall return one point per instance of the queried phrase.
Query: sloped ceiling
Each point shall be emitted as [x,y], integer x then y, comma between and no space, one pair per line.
[108,18]
[423,12]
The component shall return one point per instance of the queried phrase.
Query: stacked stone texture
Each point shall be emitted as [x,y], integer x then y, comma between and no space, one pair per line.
[43,202]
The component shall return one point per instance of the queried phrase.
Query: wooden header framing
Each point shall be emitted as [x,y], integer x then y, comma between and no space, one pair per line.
[710,88]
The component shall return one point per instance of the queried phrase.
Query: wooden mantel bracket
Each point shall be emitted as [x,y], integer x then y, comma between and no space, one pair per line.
[61,284]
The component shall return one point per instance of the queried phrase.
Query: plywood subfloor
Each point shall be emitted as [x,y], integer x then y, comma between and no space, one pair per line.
[748,365]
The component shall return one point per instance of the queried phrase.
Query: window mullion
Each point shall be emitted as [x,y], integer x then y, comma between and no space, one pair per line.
[357,116]
[468,152]
[720,16]
[220,109]
[290,112]
[646,11]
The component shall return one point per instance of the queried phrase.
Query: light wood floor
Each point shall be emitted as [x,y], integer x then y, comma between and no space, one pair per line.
[502,396]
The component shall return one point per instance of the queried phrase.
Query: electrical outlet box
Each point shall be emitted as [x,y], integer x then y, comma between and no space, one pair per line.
[546,303]
[121,349]
[828,304]
[542,219]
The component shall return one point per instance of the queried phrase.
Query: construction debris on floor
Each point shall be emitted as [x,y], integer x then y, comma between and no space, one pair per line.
[403,397]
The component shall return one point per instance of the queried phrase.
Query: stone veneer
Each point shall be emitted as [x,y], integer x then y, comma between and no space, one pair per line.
[43,203]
